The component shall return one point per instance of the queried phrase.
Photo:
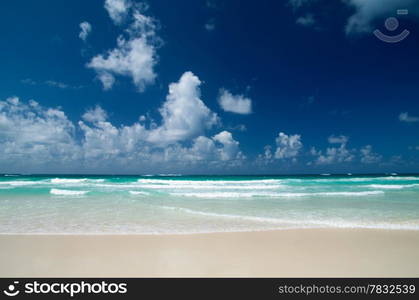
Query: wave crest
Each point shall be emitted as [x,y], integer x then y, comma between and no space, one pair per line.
[67,192]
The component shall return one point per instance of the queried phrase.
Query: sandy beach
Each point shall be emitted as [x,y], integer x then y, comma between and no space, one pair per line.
[285,253]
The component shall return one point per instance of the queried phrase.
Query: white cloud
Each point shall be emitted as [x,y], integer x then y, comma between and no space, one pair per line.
[86,28]
[230,149]
[203,149]
[234,103]
[368,156]
[184,114]
[107,79]
[341,154]
[404,117]
[98,114]
[266,157]
[118,9]
[32,135]
[268,152]
[334,154]
[105,142]
[338,139]
[184,118]
[307,20]
[135,56]
[210,25]
[33,138]
[219,151]
[288,146]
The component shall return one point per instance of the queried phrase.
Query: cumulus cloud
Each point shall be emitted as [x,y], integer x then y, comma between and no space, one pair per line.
[288,146]
[267,154]
[202,149]
[134,56]
[184,114]
[230,147]
[98,114]
[107,79]
[234,103]
[404,117]
[368,156]
[341,154]
[334,155]
[220,150]
[266,157]
[184,118]
[127,146]
[33,135]
[102,141]
[118,9]
[85,28]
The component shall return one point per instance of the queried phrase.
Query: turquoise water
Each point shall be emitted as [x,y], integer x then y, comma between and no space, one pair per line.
[191,204]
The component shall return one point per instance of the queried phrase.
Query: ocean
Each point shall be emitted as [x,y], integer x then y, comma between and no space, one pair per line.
[171,204]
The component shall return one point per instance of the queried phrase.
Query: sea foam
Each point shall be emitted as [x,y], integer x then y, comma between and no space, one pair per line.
[286,223]
[75,180]
[139,193]
[67,192]
[215,195]
[19,182]
[391,186]
[205,203]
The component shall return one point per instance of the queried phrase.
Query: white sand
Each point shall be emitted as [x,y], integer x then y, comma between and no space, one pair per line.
[285,253]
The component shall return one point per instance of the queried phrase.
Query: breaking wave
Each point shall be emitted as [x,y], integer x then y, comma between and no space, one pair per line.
[67,192]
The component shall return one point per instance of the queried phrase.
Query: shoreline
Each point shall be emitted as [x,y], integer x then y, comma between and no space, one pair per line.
[274,253]
[114,234]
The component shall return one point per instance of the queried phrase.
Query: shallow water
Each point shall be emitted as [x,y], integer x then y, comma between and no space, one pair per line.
[191,204]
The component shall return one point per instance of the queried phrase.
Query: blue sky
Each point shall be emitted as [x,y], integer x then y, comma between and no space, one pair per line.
[299,86]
